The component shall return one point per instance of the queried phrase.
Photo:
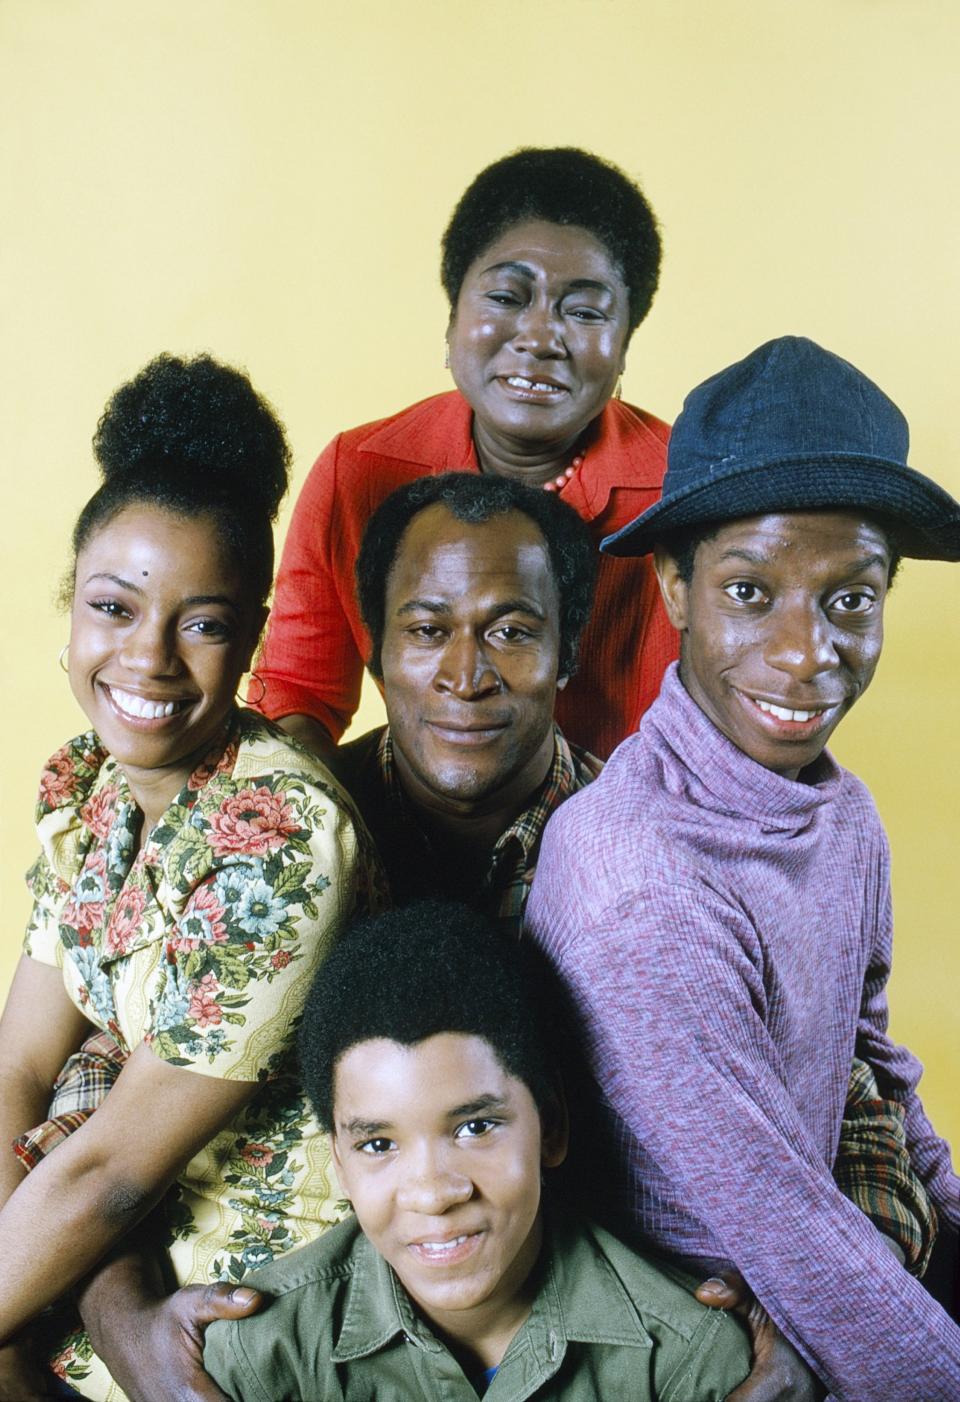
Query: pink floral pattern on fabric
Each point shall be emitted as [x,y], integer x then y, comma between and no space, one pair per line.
[125,920]
[255,821]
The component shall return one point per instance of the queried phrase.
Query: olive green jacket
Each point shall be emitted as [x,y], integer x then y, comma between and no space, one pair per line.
[605,1324]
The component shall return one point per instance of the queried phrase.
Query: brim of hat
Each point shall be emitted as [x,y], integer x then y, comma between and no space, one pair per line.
[926,519]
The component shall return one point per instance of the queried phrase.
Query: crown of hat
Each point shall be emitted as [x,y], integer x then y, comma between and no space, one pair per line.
[789,400]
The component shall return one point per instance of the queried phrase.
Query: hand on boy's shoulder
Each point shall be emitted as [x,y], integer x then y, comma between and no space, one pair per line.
[778,1373]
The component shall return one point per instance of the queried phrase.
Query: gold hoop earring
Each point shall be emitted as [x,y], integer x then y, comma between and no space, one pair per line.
[245,700]
[63,652]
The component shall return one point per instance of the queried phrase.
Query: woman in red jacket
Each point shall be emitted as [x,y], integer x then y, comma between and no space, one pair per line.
[550,262]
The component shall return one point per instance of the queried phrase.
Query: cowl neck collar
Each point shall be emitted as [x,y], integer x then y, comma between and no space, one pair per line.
[720,777]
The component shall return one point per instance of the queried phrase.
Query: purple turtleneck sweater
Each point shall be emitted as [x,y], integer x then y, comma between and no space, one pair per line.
[726,933]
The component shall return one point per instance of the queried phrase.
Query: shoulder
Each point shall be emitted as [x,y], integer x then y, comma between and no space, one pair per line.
[640,421]
[76,802]
[422,433]
[698,1353]
[70,774]
[269,800]
[270,1353]
[355,766]
[320,1267]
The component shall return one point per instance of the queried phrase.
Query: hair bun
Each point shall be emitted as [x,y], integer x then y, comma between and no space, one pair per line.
[199,424]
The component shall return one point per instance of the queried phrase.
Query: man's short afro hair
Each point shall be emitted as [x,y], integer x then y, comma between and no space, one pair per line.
[560,185]
[419,971]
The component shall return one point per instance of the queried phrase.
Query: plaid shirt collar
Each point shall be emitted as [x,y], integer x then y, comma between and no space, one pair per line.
[504,889]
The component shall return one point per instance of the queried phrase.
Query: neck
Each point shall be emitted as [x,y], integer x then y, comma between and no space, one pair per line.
[482,1334]
[531,463]
[468,827]
[153,790]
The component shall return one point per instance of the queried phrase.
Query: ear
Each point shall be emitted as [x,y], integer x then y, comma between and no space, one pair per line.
[673,590]
[554,1131]
[562,681]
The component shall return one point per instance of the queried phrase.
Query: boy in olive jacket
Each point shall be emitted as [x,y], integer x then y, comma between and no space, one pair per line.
[425,1053]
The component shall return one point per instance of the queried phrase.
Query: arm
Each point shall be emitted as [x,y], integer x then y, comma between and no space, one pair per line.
[310,662]
[39,1029]
[105,1178]
[673,997]
[311,733]
[896,1070]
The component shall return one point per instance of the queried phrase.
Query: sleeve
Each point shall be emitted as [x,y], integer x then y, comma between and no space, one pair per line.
[251,932]
[225,1359]
[67,781]
[310,663]
[672,995]
[896,1069]
[874,1171]
[41,940]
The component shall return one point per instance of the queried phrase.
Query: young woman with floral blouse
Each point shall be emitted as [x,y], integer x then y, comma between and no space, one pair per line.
[195,865]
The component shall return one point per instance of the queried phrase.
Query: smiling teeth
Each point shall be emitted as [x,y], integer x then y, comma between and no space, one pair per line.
[519,382]
[138,706]
[782,713]
[440,1248]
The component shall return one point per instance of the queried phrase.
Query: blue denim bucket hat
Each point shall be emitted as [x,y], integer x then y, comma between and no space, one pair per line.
[793,428]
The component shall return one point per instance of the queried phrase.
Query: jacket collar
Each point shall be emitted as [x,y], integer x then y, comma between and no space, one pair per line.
[577,1301]
[623,449]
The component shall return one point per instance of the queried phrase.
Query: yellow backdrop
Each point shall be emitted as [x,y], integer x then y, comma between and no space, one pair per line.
[268,179]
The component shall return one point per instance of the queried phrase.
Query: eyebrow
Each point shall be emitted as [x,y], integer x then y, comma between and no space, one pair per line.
[438,607]
[193,599]
[525,271]
[480,1105]
[115,579]
[753,557]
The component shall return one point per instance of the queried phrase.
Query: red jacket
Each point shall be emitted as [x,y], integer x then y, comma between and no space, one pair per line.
[315,646]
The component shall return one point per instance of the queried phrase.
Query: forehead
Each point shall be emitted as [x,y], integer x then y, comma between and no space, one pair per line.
[814,542]
[468,566]
[564,250]
[442,1071]
[169,547]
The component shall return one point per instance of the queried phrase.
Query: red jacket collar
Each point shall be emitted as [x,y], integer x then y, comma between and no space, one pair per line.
[628,448]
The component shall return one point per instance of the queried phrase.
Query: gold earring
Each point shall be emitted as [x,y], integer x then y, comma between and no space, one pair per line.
[245,701]
[63,652]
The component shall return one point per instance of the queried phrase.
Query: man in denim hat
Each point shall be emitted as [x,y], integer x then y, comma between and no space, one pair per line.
[718,900]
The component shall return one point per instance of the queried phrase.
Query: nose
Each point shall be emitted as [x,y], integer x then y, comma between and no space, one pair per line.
[431,1186]
[465,669]
[539,330]
[801,641]
[150,648]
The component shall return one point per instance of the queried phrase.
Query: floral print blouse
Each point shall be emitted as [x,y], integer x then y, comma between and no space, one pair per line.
[204,945]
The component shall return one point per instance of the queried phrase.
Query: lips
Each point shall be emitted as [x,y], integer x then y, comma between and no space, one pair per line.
[476,733]
[784,713]
[800,720]
[447,1251]
[539,389]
